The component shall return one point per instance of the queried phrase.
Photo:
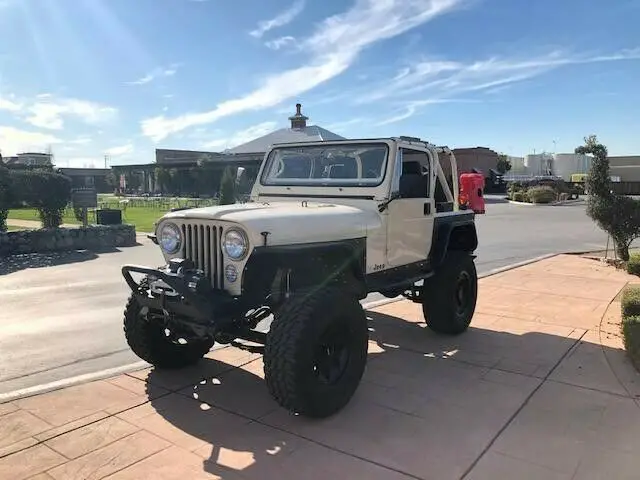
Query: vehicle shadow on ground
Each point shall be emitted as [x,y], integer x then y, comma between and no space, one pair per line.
[15,263]
[477,380]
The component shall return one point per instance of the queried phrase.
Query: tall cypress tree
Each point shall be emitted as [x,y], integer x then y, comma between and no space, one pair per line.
[617,215]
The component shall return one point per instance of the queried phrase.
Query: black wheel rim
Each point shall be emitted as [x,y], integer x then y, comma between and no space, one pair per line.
[463,293]
[332,355]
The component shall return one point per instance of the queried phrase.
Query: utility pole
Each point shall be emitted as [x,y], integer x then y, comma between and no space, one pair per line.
[106,159]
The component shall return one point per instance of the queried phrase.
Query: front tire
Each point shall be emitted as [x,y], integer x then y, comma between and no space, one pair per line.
[148,341]
[449,297]
[316,352]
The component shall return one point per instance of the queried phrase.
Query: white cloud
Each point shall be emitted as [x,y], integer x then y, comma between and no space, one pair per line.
[331,50]
[80,141]
[278,43]
[156,73]
[14,140]
[279,20]
[449,77]
[242,136]
[49,112]
[432,82]
[10,104]
[80,162]
[410,109]
[119,150]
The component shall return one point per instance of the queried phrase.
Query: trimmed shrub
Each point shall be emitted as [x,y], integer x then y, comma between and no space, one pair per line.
[46,191]
[618,215]
[78,213]
[631,338]
[6,195]
[542,194]
[630,302]
[519,196]
[228,187]
[633,265]
[630,327]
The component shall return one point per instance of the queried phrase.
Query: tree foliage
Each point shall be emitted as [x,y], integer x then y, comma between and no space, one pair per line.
[46,191]
[617,215]
[6,195]
[503,165]
[228,187]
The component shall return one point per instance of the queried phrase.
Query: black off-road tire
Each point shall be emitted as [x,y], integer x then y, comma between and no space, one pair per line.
[300,327]
[443,308]
[148,341]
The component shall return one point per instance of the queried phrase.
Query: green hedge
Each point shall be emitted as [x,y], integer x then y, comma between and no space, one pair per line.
[46,191]
[631,301]
[542,194]
[631,338]
[631,322]
[5,196]
[519,196]
[633,264]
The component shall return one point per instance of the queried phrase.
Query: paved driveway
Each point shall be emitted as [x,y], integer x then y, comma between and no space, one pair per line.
[538,388]
[65,320]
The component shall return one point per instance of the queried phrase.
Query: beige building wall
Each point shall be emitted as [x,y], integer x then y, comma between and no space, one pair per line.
[626,167]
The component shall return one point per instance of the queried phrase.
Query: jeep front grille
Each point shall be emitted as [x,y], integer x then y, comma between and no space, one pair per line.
[202,246]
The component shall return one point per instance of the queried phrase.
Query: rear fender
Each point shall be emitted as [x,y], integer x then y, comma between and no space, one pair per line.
[452,232]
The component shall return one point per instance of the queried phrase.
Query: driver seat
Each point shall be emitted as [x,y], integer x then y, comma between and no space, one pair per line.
[413,184]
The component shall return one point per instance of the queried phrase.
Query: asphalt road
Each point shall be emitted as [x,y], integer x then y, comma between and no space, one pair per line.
[61,315]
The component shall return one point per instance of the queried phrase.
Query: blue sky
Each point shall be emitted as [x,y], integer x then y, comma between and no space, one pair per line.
[122,77]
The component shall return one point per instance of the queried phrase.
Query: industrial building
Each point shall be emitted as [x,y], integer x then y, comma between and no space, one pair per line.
[626,167]
[559,164]
[29,159]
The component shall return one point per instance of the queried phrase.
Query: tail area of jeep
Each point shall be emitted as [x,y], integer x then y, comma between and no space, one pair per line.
[327,224]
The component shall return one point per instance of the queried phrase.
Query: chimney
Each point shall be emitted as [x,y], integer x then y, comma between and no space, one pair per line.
[298,121]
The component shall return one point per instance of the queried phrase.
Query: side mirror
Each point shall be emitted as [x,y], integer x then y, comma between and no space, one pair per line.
[239,174]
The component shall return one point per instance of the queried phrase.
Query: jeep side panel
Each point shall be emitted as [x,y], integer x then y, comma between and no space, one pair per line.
[454,231]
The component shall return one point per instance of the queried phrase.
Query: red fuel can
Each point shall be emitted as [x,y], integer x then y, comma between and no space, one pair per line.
[471,193]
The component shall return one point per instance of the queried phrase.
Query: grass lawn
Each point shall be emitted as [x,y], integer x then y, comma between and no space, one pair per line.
[141,212]
[142,217]
[13,228]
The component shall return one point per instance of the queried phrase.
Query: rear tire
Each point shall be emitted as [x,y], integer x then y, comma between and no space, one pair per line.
[316,352]
[449,298]
[148,341]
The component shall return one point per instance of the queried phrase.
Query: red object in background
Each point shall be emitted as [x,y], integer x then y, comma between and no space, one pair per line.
[472,191]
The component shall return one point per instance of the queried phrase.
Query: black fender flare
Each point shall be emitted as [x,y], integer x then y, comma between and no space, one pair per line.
[452,232]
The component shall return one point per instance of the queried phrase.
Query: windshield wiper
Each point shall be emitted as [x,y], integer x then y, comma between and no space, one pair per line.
[383,206]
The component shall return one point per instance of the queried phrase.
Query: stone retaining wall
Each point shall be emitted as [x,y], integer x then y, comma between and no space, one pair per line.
[94,237]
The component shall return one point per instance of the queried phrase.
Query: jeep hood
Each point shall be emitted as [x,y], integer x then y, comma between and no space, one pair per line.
[290,222]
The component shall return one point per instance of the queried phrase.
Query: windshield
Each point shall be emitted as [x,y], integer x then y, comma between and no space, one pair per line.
[357,165]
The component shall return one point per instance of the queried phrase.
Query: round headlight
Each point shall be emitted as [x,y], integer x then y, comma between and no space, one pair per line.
[170,239]
[235,244]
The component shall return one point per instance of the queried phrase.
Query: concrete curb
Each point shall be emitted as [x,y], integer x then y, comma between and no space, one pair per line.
[554,204]
[111,372]
[70,382]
